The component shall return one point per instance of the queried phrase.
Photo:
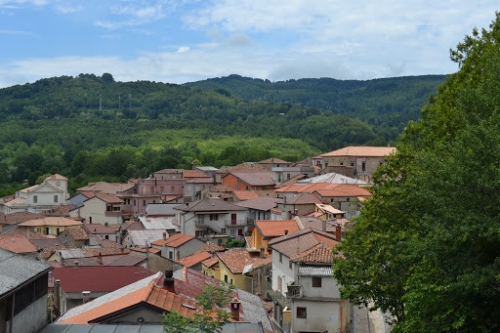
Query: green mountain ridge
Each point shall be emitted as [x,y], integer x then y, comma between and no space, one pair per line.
[91,127]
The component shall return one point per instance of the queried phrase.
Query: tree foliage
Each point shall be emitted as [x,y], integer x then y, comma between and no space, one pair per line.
[211,314]
[426,247]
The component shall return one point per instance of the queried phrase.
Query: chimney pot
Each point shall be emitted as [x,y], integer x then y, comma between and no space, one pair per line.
[235,309]
[338,232]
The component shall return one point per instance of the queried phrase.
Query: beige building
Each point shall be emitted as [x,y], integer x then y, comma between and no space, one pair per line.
[103,208]
[364,159]
[51,225]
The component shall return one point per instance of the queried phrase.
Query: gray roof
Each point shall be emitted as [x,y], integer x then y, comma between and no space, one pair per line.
[157,223]
[316,271]
[236,327]
[109,328]
[332,178]
[16,269]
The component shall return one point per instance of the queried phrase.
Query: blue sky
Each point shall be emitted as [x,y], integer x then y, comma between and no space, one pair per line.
[178,41]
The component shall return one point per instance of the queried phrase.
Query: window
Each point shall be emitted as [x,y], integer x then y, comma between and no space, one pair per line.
[348,199]
[225,278]
[288,176]
[135,203]
[352,164]
[90,219]
[233,218]
[56,198]
[170,255]
[316,282]
[172,188]
[281,257]
[35,199]
[106,237]
[223,231]
[108,208]
[240,232]
[162,189]
[280,283]
[144,202]
[363,166]
[301,312]
[214,217]
[231,281]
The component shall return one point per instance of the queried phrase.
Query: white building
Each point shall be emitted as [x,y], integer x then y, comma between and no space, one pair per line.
[305,295]
[51,193]
[103,208]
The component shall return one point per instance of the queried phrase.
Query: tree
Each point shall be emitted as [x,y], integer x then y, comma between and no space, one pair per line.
[426,247]
[211,314]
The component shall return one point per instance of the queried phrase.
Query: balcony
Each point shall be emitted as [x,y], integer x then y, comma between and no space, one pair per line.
[294,291]
[235,223]
[200,223]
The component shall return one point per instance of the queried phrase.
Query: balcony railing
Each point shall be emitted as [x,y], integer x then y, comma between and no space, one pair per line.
[294,291]
[235,223]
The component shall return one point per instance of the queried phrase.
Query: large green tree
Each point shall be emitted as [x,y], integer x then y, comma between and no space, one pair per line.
[426,247]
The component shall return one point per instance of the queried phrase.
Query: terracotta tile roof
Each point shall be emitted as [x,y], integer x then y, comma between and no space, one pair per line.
[210,262]
[98,278]
[245,195]
[300,241]
[245,167]
[262,203]
[27,232]
[303,198]
[344,191]
[173,241]
[236,259]
[126,297]
[77,233]
[327,189]
[275,228]
[194,259]
[194,174]
[274,160]
[97,228]
[255,178]
[109,197]
[17,244]
[361,151]
[51,222]
[319,254]
[88,194]
[17,217]
[154,250]
[211,247]
[104,187]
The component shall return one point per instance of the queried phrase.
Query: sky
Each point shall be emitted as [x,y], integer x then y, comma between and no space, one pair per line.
[178,41]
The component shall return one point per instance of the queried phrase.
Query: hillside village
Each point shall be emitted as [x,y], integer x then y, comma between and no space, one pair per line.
[123,253]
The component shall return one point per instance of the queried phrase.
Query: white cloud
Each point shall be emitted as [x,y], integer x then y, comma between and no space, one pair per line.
[183,49]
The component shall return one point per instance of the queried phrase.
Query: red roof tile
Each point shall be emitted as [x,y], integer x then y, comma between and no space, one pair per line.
[276,228]
[173,241]
[361,151]
[17,244]
[194,259]
[236,259]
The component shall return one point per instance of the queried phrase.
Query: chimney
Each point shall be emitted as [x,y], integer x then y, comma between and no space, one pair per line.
[296,212]
[324,226]
[262,253]
[338,232]
[76,263]
[164,235]
[286,232]
[235,309]
[168,280]
[99,258]
[57,293]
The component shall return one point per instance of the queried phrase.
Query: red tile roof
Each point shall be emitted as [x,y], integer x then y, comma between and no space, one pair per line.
[210,262]
[245,195]
[236,259]
[17,244]
[300,241]
[150,294]
[194,259]
[211,247]
[319,254]
[98,278]
[362,151]
[173,241]
[194,174]
[255,178]
[275,228]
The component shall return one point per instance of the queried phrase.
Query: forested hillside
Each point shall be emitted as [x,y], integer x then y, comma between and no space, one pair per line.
[387,102]
[90,127]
